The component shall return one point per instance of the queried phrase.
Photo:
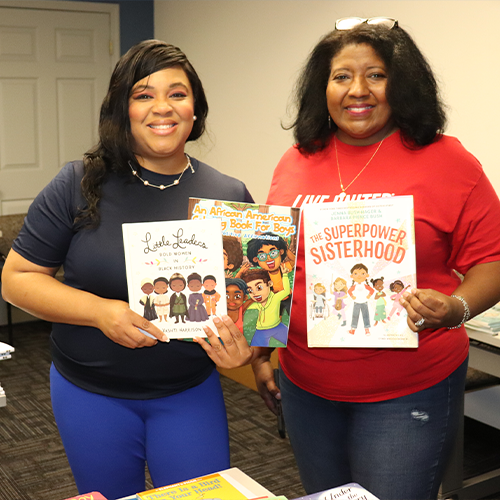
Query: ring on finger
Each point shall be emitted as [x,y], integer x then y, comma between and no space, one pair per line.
[420,322]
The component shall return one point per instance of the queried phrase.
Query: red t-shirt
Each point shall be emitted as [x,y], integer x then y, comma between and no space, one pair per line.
[457,225]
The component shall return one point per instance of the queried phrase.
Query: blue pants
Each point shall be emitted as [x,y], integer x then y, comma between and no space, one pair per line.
[396,449]
[108,441]
[263,337]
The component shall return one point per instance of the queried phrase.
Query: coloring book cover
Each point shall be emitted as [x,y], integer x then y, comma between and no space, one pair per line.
[359,260]
[175,274]
[259,249]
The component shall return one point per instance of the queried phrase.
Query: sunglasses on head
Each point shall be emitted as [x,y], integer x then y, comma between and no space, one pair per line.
[348,23]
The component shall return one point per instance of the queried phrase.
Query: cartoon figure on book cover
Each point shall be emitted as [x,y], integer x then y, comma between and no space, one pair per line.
[398,288]
[196,311]
[236,292]
[380,312]
[360,292]
[339,292]
[161,301]
[267,303]
[269,251]
[147,301]
[178,302]
[210,294]
[319,304]
[233,257]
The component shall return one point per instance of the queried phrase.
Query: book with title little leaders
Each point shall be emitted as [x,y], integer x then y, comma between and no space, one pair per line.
[259,248]
[229,484]
[175,274]
[359,260]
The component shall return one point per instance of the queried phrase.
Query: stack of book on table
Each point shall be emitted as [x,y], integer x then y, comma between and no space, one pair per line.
[486,322]
[6,351]
[233,484]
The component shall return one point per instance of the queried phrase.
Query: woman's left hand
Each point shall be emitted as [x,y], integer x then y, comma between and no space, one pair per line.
[435,308]
[233,351]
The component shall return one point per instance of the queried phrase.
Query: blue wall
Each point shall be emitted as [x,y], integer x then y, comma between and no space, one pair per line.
[136,21]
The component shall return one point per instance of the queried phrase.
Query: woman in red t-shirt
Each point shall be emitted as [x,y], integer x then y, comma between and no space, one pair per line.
[369,124]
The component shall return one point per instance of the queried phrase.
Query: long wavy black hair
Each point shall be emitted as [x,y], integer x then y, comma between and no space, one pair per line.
[115,148]
[412,91]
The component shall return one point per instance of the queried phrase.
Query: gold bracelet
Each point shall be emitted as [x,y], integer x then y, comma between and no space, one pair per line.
[466,316]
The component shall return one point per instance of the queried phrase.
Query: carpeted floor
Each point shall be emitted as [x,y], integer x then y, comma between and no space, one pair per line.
[33,465]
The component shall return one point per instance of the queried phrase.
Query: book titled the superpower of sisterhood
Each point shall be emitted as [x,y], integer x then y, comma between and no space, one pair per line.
[360,259]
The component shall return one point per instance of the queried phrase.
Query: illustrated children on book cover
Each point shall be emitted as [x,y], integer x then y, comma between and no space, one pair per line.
[259,248]
[353,250]
[173,271]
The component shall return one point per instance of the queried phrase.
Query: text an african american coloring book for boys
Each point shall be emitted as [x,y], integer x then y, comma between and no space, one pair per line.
[359,260]
[175,274]
[259,248]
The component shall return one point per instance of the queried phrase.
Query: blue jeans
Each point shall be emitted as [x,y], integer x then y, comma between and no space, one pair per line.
[108,441]
[396,449]
[363,309]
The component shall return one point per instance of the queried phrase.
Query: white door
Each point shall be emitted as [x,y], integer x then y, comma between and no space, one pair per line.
[54,71]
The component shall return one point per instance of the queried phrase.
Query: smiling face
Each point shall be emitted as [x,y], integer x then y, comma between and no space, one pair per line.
[234,297]
[194,285]
[177,285]
[359,275]
[269,258]
[378,285]
[161,287]
[161,110]
[209,284]
[356,96]
[259,290]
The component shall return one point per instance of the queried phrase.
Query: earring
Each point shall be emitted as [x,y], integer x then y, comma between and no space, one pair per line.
[195,118]
[329,122]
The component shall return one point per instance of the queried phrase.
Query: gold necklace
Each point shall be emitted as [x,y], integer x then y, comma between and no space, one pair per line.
[344,189]
[161,186]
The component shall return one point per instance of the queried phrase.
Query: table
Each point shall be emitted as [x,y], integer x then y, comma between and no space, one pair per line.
[483,405]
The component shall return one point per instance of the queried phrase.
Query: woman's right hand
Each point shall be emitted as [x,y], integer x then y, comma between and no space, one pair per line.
[264,377]
[34,289]
[122,325]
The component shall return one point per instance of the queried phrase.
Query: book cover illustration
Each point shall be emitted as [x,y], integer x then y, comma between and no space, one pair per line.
[230,484]
[351,491]
[259,249]
[175,274]
[94,495]
[359,260]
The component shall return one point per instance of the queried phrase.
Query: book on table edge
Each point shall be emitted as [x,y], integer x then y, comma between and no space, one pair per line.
[359,260]
[94,495]
[257,236]
[350,491]
[182,249]
[229,484]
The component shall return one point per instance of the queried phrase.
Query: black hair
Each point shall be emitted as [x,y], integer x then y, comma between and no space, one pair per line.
[194,276]
[412,92]
[209,277]
[115,148]
[238,282]
[161,278]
